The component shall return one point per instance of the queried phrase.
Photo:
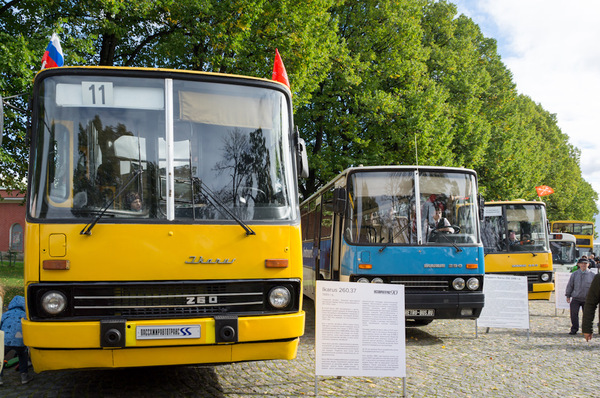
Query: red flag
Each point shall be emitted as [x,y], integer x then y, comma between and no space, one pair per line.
[544,190]
[279,73]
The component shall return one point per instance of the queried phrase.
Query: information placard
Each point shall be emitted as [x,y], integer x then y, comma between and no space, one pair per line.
[360,329]
[560,286]
[506,302]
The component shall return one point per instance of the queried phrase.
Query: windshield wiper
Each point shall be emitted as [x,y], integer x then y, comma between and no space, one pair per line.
[458,249]
[402,229]
[87,230]
[220,205]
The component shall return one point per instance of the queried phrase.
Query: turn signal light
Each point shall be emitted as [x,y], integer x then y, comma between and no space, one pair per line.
[276,263]
[472,266]
[365,266]
[544,265]
[56,264]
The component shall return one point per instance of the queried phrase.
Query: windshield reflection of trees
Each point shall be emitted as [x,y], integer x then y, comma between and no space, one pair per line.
[241,179]
[246,159]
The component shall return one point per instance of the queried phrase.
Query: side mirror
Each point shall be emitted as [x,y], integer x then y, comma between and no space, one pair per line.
[339,200]
[302,158]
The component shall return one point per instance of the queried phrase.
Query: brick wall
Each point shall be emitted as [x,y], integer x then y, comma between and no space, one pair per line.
[12,211]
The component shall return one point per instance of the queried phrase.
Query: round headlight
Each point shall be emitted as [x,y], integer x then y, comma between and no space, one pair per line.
[458,284]
[54,302]
[363,280]
[377,280]
[545,277]
[473,283]
[280,297]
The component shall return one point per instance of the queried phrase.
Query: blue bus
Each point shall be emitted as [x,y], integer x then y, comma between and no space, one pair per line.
[363,226]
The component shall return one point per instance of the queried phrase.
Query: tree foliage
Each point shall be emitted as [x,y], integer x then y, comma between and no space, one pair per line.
[374,82]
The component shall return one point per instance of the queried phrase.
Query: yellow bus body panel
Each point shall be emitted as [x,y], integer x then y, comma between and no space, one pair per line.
[159,356]
[157,252]
[133,252]
[521,263]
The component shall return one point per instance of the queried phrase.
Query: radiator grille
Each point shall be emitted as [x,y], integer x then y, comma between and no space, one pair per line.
[164,299]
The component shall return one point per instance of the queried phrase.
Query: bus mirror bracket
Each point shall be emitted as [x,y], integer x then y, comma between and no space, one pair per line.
[481,207]
[301,156]
[339,200]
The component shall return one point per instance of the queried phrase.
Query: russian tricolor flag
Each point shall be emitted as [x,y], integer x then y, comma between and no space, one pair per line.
[53,56]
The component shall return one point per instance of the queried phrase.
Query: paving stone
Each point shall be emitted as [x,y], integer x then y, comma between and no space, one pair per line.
[448,358]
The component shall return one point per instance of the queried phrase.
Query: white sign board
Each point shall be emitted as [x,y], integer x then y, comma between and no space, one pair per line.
[492,211]
[560,286]
[506,302]
[360,329]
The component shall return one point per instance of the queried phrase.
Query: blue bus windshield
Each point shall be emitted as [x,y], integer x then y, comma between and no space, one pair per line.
[383,207]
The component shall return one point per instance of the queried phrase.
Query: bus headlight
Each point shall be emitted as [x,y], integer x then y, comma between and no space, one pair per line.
[54,302]
[545,277]
[458,284]
[363,280]
[473,283]
[377,280]
[280,297]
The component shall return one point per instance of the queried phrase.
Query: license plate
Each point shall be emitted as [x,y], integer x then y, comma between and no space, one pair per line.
[167,332]
[419,312]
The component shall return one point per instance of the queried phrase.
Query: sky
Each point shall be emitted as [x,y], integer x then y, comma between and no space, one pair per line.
[552,48]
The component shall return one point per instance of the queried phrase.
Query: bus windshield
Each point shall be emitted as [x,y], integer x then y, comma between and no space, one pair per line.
[520,228]
[151,148]
[382,208]
[563,252]
[574,228]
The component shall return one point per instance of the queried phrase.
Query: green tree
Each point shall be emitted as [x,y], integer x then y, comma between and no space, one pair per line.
[231,36]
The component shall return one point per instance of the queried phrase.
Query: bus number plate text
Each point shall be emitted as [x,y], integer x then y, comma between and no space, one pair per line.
[168,332]
[419,312]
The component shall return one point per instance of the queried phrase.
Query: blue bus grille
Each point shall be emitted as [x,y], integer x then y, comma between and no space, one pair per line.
[421,283]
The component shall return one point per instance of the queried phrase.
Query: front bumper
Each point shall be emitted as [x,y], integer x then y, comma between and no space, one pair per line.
[68,345]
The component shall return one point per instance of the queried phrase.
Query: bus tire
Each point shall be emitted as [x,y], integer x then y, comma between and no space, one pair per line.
[411,323]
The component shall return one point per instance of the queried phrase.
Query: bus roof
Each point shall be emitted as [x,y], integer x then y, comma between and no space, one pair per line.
[355,169]
[562,236]
[516,202]
[572,222]
[120,69]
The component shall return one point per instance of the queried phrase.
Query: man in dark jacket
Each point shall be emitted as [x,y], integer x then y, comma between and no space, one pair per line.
[589,310]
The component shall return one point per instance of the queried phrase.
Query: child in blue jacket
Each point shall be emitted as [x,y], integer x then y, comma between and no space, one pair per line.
[13,336]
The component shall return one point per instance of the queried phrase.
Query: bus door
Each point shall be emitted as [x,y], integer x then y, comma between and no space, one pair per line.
[316,255]
[328,239]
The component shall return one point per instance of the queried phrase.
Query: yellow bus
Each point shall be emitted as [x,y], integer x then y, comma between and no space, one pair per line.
[163,222]
[515,242]
[582,230]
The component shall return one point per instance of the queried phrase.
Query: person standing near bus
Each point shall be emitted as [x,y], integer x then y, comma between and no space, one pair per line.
[589,310]
[592,260]
[577,290]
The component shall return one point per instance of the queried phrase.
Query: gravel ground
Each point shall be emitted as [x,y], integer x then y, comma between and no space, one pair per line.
[447,358]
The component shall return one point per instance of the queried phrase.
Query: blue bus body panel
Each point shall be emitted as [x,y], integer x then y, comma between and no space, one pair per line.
[411,260]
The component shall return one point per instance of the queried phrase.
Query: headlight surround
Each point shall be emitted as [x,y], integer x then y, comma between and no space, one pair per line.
[280,297]
[363,280]
[458,284]
[545,277]
[54,302]
[473,284]
[377,280]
